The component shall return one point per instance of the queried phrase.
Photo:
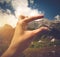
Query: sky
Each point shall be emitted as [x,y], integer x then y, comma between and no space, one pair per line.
[51,8]
[11,9]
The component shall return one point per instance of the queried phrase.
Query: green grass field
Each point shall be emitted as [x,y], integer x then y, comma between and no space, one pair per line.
[43,52]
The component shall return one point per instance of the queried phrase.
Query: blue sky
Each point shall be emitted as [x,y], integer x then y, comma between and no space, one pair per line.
[8,9]
[50,7]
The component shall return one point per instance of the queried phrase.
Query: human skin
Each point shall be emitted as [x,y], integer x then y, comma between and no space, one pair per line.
[22,37]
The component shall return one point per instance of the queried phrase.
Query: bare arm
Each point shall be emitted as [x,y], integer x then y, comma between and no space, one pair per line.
[22,37]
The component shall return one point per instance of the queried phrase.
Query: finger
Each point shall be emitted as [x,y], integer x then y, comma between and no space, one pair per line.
[33,18]
[39,30]
[21,17]
[25,21]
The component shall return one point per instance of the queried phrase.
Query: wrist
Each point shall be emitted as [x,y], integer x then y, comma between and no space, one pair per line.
[10,52]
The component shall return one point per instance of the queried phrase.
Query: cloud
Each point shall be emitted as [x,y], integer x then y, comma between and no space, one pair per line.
[10,9]
[21,8]
[7,11]
[57,17]
[2,1]
[7,19]
[19,3]
[6,5]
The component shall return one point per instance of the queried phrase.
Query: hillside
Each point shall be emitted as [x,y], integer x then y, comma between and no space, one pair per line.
[53,25]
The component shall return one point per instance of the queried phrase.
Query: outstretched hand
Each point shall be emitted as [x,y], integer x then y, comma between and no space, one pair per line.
[23,37]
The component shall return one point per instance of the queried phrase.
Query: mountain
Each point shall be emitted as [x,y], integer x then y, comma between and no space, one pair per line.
[53,25]
[36,24]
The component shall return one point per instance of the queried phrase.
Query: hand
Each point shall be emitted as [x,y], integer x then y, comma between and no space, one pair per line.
[22,37]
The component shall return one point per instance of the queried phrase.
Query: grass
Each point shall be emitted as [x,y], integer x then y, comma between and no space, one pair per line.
[43,52]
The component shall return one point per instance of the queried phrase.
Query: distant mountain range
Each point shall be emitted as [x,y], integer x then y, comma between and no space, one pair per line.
[53,25]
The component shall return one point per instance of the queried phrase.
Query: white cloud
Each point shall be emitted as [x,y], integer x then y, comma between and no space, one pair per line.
[53,40]
[19,3]
[21,8]
[7,19]
[57,17]
[32,1]
[2,1]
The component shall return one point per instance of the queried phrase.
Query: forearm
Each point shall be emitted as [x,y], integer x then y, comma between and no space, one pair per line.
[15,50]
[10,52]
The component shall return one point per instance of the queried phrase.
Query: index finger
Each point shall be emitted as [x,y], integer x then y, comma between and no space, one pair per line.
[33,18]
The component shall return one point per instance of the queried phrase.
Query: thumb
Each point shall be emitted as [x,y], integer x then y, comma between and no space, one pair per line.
[40,30]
